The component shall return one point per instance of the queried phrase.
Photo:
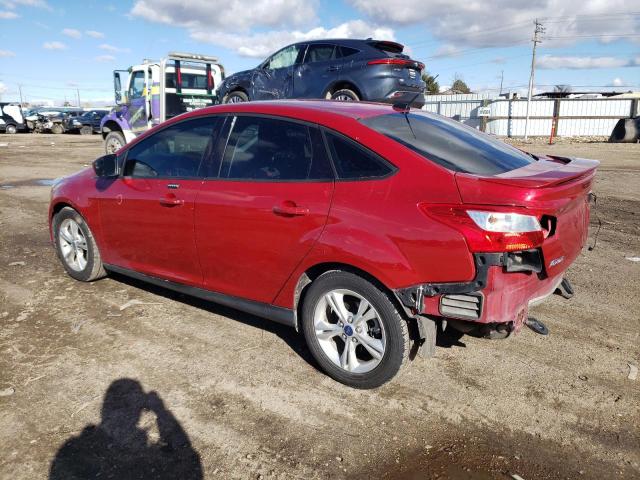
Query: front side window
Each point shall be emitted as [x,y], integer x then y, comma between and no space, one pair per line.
[284,58]
[174,152]
[354,162]
[320,52]
[449,143]
[137,85]
[261,148]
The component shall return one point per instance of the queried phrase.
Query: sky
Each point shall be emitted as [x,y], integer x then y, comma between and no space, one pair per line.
[57,49]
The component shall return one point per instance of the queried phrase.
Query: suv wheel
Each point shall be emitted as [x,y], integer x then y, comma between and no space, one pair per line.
[57,128]
[354,330]
[86,130]
[345,95]
[11,129]
[76,246]
[236,97]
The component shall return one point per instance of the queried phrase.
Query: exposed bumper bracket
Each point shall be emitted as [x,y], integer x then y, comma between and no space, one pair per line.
[565,289]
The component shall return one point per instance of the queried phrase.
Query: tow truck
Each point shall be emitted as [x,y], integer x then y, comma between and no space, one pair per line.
[154,91]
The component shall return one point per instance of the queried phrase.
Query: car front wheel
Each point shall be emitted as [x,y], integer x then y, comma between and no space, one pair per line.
[76,246]
[236,97]
[354,330]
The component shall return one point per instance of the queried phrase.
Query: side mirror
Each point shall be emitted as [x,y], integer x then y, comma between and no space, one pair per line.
[106,166]
[117,87]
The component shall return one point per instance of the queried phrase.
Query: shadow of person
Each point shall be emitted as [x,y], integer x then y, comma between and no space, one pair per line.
[119,448]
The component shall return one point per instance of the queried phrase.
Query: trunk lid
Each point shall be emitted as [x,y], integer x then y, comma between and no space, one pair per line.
[555,189]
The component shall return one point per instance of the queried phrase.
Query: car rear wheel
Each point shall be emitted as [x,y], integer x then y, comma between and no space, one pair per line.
[76,246]
[11,129]
[113,142]
[354,330]
[236,97]
[57,128]
[345,95]
[86,130]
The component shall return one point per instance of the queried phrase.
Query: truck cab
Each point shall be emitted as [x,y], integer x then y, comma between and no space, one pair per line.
[11,119]
[152,92]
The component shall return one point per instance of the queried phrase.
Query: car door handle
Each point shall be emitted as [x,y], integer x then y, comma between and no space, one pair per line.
[290,209]
[333,68]
[171,201]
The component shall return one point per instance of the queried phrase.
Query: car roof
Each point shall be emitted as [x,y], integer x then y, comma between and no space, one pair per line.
[311,110]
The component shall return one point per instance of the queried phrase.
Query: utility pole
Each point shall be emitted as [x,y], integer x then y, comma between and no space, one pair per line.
[539,30]
[501,79]
[78,92]
[20,91]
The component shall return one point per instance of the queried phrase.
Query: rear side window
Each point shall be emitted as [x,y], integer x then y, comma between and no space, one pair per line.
[449,143]
[174,152]
[322,52]
[261,148]
[354,162]
[342,51]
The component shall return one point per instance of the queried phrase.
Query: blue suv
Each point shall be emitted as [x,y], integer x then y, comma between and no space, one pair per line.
[347,70]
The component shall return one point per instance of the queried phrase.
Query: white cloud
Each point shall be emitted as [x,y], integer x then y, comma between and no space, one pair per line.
[6,15]
[227,15]
[552,62]
[72,32]
[105,58]
[503,23]
[29,3]
[260,45]
[54,45]
[3,88]
[111,48]
[618,82]
[94,34]
[7,53]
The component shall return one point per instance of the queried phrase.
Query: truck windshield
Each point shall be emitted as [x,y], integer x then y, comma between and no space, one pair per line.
[449,143]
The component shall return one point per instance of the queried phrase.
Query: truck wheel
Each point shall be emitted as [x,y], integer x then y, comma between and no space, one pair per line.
[236,97]
[86,130]
[354,330]
[11,129]
[114,142]
[345,95]
[57,128]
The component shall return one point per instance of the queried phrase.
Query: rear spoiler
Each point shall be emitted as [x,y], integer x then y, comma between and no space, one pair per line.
[387,46]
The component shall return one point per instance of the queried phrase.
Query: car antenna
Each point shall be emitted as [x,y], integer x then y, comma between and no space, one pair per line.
[404,107]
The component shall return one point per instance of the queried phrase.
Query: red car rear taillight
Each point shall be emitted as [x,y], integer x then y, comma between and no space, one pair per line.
[488,229]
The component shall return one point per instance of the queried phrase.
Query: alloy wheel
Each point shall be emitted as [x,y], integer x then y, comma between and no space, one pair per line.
[73,245]
[349,331]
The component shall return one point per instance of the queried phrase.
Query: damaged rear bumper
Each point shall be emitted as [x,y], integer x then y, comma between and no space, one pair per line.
[504,287]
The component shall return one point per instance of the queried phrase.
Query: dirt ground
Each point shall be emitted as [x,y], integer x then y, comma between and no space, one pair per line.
[243,397]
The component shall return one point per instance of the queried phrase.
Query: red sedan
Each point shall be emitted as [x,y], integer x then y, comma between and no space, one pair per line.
[363,225]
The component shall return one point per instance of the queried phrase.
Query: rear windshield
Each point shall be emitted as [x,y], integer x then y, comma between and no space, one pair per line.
[449,143]
[390,47]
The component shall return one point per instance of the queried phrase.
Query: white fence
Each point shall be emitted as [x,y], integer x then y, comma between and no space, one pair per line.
[572,116]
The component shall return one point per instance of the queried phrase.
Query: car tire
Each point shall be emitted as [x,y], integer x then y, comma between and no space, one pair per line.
[11,129]
[113,142]
[57,128]
[86,130]
[334,319]
[345,95]
[236,97]
[76,247]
